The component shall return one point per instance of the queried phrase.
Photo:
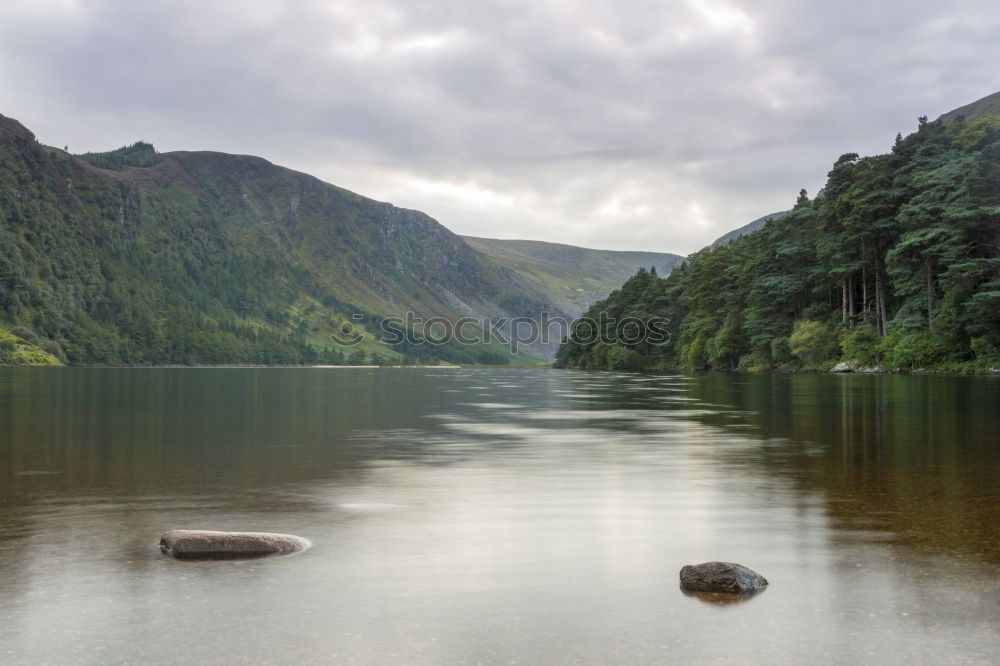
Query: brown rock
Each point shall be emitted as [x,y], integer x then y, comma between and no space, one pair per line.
[721,577]
[206,545]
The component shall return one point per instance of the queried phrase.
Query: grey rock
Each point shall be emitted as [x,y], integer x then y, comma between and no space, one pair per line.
[843,367]
[721,577]
[208,545]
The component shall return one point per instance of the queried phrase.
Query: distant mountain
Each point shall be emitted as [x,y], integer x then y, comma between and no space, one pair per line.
[747,229]
[982,108]
[573,278]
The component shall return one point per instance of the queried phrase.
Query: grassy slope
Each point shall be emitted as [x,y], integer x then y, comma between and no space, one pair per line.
[15,350]
[981,108]
[572,277]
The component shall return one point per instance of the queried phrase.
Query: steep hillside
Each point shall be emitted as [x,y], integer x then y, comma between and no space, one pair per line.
[746,229]
[15,350]
[573,278]
[194,257]
[981,108]
[897,265]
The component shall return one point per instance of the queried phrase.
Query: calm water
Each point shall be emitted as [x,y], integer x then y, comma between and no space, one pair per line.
[498,516]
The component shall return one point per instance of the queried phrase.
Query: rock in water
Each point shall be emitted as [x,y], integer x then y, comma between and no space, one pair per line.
[721,577]
[205,545]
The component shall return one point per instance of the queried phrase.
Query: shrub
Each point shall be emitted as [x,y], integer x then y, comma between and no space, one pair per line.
[861,344]
[7,349]
[54,348]
[723,348]
[781,350]
[25,334]
[987,353]
[696,356]
[812,342]
[622,358]
[915,351]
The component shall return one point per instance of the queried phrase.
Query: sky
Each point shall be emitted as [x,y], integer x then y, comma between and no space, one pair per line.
[626,125]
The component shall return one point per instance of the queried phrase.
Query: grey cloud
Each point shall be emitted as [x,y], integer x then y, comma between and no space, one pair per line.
[628,125]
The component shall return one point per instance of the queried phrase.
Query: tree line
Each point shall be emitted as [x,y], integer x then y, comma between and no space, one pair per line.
[895,264]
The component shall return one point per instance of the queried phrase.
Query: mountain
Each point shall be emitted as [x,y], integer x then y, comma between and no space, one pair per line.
[138,257]
[746,229]
[573,278]
[896,266]
[988,106]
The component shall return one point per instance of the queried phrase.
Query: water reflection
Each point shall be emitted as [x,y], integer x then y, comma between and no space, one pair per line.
[498,515]
[910,459]
[722,598]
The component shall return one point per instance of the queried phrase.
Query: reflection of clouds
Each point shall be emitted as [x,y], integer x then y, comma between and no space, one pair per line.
[493,405]
[370,506]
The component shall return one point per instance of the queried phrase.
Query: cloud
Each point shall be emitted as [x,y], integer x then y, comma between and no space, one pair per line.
[639,125]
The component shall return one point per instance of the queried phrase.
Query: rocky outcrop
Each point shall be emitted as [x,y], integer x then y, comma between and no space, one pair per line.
[721,577]
[207,545]
[846,367]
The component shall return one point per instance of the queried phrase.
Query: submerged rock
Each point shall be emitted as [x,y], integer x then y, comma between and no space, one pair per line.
[721,577]
[206,545]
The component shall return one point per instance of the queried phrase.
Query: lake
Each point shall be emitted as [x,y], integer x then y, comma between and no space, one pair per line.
[467,516]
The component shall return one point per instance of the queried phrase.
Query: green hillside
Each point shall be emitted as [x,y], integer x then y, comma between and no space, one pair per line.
[981,108]
[136,257]
[15,350]
[748,228]
[573,278]
[896,265]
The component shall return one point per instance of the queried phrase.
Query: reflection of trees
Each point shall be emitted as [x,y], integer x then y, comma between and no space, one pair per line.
[126,442]
[913,455]
[194,429]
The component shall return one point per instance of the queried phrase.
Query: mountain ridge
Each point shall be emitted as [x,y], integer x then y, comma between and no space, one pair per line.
[573,277]
[748,228]
[982,108]
[138,257]
[234,246]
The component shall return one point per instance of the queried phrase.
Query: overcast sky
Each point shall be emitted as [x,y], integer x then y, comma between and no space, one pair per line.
[629,124]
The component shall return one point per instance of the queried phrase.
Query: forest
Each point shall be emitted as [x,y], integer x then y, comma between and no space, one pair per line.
[894,265]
